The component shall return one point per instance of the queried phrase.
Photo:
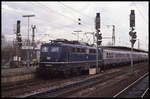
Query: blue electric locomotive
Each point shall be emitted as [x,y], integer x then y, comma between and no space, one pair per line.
[63,57]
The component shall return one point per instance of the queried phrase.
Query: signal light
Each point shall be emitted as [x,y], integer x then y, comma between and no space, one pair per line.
[19,39]
[132,34]
[18,26]
[79,23]
[19,44]
[99,42]
[99,36]
[132,41]
[132,19]
[97,21]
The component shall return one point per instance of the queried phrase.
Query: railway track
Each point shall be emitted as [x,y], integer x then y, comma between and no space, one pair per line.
[21,84]
[67,89]
[37,85]
[76,86]
[136,89]
[68,86]
[109,85]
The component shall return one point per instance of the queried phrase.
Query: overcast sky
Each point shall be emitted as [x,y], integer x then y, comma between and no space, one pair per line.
[60,19]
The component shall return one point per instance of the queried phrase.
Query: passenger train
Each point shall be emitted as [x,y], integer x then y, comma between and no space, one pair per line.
[63,57]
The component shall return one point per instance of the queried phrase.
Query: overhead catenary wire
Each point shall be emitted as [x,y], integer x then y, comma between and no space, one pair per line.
[88,38]
[36,17]
[45,9]
[48,8]
[74,10]
[140,13]
[144,19]
[84,25]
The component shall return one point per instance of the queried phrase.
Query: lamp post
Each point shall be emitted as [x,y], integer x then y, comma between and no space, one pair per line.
[28,53]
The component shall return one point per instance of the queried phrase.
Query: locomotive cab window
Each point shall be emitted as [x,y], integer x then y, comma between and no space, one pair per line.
[54,49]
[44,49]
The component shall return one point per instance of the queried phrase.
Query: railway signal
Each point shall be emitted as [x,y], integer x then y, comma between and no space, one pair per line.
[132,19]
[97,21]
[97,27]
[98,36]
[18,26]
[19,41]
[79,23]
[132,34]
[133,37]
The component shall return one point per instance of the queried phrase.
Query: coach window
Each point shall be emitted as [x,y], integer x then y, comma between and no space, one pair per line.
[94,51]
[73,49]
[111,55]
[90,51]
[83,50]
[78,50]
[107,55]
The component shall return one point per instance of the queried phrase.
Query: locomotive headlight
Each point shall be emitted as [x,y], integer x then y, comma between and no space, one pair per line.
[48,58]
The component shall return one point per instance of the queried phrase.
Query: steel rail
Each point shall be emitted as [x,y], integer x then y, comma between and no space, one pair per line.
[129,86]
[144,93]
[61,90]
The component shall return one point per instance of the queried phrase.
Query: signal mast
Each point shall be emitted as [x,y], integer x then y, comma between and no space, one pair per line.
[132,34]
[98,36]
